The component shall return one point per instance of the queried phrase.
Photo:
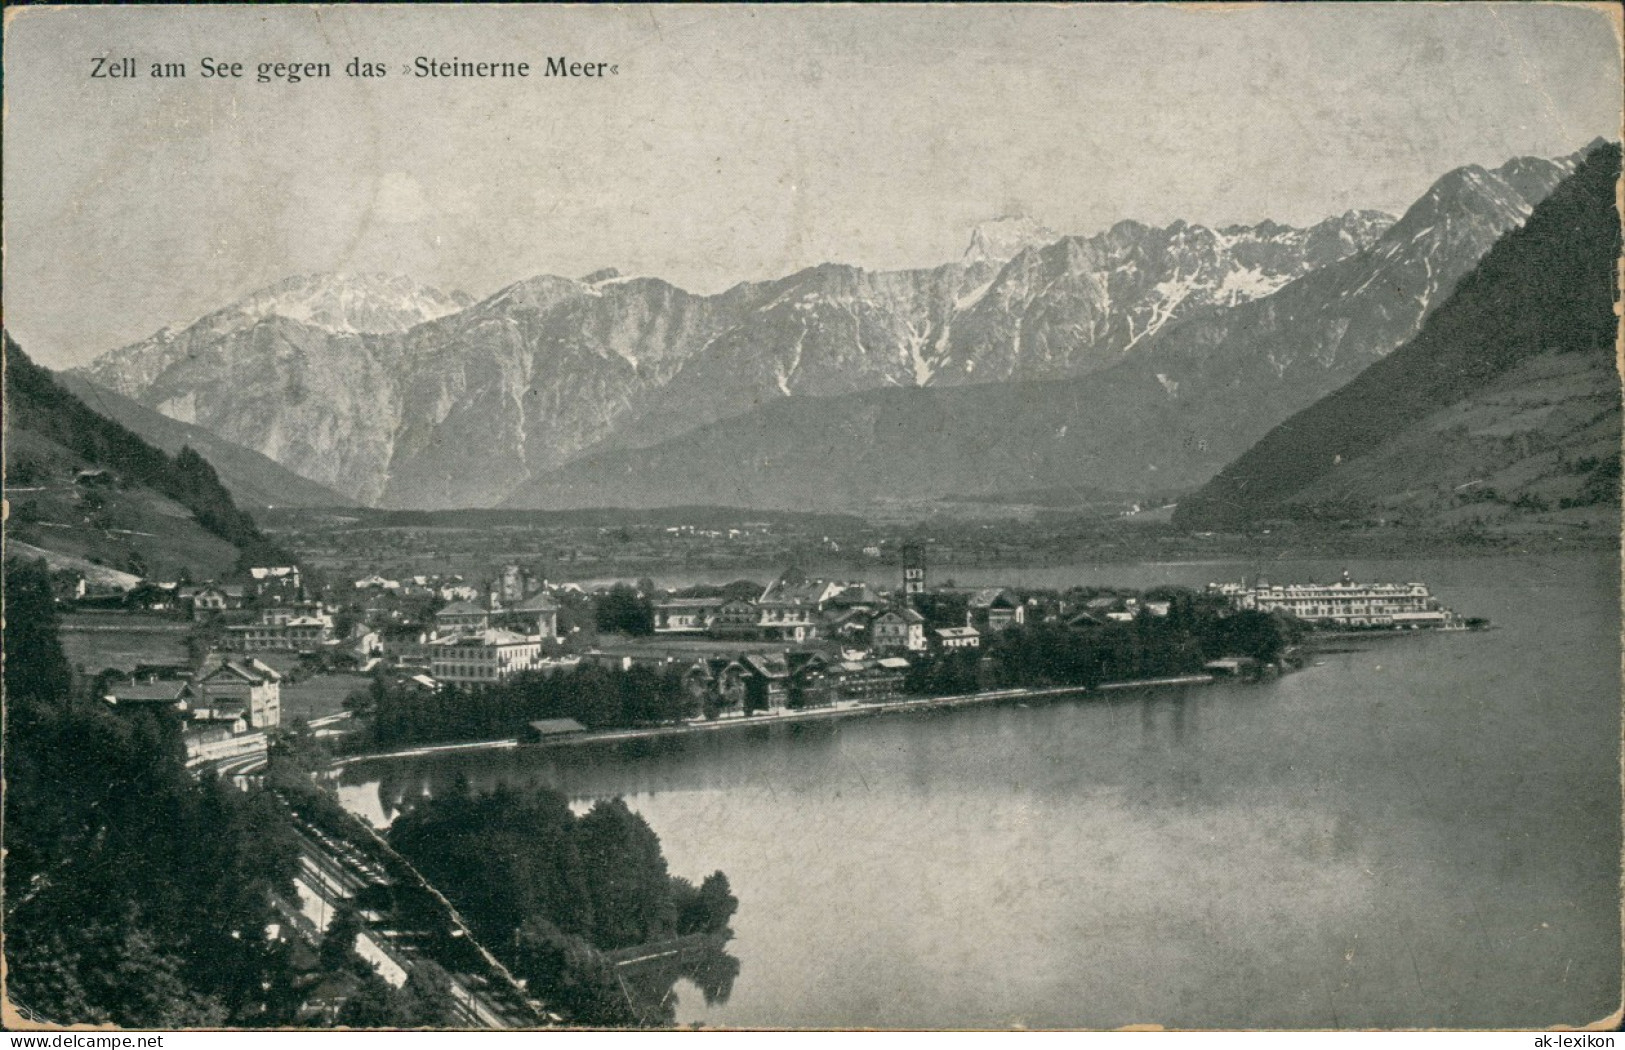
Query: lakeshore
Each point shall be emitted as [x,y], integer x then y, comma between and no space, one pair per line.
[1386,790]
[839,711]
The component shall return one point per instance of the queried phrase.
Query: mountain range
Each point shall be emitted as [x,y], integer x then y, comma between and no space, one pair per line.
[1167,414]
[1140,357]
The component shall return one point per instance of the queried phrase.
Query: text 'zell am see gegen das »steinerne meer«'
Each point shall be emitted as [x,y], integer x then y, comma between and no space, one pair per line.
[124,68]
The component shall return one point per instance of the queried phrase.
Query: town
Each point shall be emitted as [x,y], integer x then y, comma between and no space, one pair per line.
[264,685]
[373,663]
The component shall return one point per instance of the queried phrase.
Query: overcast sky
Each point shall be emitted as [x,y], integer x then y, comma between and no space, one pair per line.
[735,143]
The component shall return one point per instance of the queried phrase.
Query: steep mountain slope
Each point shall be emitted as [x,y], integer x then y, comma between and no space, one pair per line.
[323,404]
[82,486]
[828,330]
[252,479]
[1507,394]
[463,408]
[1064,310]
[303,372]
[900,444]
[452,412]
[1318,332]
[1536,450]
[517,384]
[1167,415]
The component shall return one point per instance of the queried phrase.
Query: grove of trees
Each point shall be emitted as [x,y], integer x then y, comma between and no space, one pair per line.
[597,697]
[552,892]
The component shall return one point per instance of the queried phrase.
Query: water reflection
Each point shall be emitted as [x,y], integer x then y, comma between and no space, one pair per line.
[724,761]
[651,986]
[1415,832]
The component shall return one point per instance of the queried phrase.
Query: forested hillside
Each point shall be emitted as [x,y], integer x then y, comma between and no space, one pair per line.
[134,894]
[254,480]
[1540,308]
[49,430]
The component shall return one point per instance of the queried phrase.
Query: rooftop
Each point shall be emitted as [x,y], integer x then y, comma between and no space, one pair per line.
[555,726]
[145,692]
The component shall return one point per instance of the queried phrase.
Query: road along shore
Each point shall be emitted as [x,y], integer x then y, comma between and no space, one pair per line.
[848,709]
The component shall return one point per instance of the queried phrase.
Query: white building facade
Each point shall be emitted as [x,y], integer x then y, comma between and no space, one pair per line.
[484,657]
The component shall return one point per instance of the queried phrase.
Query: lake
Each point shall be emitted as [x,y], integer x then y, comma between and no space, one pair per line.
[1413,831]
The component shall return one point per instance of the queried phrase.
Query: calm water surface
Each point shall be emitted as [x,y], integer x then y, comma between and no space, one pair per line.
[1422,832]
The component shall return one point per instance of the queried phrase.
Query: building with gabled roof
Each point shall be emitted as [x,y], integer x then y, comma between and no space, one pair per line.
[462,616]
[809,592]
[950,638]
[899,628]
[995,609]
[239,683]
[214,598]
[767,681]
[855,596]
[158,694]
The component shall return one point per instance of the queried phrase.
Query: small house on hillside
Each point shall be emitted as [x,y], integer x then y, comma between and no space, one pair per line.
[213,599]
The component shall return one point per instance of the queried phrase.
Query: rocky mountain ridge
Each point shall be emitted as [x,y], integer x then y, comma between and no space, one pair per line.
[468,406]
[1168,415]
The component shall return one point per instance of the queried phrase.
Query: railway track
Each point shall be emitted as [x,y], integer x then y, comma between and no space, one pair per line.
[334,871]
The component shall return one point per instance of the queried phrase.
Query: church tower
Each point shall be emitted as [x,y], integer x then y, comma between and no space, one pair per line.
[913,568]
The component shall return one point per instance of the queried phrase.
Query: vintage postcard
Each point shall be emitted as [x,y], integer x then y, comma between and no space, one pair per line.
[972,517]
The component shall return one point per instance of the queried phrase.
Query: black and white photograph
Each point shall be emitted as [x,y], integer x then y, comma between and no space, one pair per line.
[812,517]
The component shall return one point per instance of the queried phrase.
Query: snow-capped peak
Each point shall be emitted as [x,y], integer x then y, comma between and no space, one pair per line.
[1002,239]
[364,303]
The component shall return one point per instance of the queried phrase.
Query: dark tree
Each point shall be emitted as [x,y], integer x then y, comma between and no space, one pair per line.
[35,667]
[623,611]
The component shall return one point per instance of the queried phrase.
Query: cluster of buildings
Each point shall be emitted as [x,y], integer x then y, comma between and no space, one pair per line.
[226,705]
[804,643]
[762,678]
[466,647]
[848,613]
[799,642]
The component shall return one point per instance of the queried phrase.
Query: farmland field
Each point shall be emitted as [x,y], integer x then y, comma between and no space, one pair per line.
[94,641]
